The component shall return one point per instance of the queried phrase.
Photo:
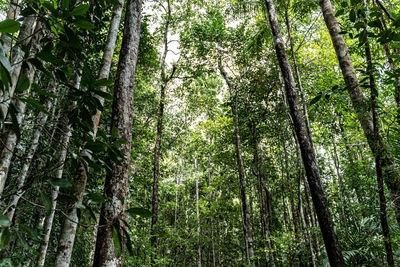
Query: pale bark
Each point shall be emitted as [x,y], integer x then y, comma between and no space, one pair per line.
[116,184]
[68,233]
[48,225]
[391,173]
[11,137]
[305,143]
[13,12]
[17,56]
[197,214]
[41,121]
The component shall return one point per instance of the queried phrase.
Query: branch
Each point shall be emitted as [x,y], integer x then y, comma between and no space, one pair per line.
[385,10]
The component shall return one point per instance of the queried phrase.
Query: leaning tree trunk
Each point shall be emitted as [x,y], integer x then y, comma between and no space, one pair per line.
[37,133]
[305,143]
[116,184]
[248,236]
[378,163]
[391,174]
[68,233]
[27,71]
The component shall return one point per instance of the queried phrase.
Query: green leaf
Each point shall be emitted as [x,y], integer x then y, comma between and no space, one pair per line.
[96,197]
[95,146]
[103,82]
[84,24]
[4,221]
[46,202]
[117,240]
[139,211]
[353,15]
[5,238]
[63,183]
[23,241]
[4,60]
[35,104]
[65,4]
[315,99]
[23,83]
[29,231]
[9,26]
[48,57]
[80,10]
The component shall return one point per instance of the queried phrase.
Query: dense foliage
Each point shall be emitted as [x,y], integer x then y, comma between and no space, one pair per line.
[217,169]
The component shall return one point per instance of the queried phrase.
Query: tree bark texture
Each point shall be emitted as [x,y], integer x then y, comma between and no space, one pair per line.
[68,233]
[391,174]
[305,143]
[11,137]
[116,184]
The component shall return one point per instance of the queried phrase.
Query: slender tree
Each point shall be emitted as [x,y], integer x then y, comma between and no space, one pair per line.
[305,143]
[391,174]
[116,184]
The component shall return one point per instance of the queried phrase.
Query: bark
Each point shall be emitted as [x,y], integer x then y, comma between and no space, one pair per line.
[306,147]
[11,137]
[68,233]
[261,198]
[211,219]
[378,148]
[48,225]
[13,13]
[391,173]
[37,133]
[339,176]
[248,236]
[197,214]
[160,119]
[17,58]
[116,183]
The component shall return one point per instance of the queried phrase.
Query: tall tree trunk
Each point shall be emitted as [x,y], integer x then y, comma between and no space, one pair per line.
[391,174]
[378,148]
[41,121]
[13,13]
[160,118]
[66,135]
[339,176]
[248,236]
[197,214]
[211,196]
[17,58]
[68,233]
[48,225]
[306,147]
[11,137]
[116,184]
[261,198]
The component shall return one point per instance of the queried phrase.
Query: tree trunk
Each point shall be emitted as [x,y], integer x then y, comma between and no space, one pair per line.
[160,118]
[307,150]
[116,184]
[11,137]
[248,236]
[390,174]
[48,225]
[41,121]
[378,148]
[17,56]
[70,224]
[197,214]
[13,13]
